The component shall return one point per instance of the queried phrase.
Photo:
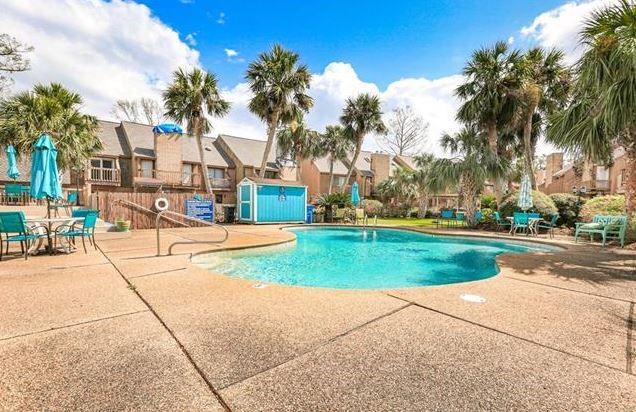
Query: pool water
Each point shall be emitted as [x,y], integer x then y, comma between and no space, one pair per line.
[353,258]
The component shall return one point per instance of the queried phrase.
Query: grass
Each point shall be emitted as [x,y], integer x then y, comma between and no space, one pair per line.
[404,221]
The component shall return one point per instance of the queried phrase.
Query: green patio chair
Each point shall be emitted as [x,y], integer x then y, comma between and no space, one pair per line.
[13,192]
[446,215]
[501,222]
[460,219]
[609,227]
[549,225]
[15,229]
[87,229]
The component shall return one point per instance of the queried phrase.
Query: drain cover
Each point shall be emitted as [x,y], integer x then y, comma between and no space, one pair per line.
[259,285]
[472,298]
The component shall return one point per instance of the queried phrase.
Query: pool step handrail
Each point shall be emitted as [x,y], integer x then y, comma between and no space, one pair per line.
[161,214]
[147,210]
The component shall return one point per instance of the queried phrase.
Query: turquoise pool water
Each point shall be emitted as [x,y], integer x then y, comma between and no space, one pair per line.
[350,258]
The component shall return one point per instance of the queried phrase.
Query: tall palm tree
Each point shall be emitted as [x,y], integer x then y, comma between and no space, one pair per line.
[360,116]
[51,109]
[602,110]
[299,142]
[489,92]
[422,177]
[190,98]
[473,163]
[544,90]
[337,145]
[279,85]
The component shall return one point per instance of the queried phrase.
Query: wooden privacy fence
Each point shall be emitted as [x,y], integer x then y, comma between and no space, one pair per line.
[114,205]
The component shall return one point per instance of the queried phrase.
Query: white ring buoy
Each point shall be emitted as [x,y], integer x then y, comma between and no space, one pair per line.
[161,204]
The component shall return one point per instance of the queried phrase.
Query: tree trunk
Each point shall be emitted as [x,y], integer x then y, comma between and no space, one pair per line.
[528,149]
[330,173]
[630,181]
[359,140]
[423,205]
[271,131]
[204,168]
[470,194]
[299,175]
[492,143]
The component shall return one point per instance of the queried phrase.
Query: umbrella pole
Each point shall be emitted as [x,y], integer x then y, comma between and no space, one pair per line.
[48,216]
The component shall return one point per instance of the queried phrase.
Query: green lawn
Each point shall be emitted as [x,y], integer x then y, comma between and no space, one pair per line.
[403,221]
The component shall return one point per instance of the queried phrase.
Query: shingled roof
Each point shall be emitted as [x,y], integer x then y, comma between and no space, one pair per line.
[249,151]
[113,140]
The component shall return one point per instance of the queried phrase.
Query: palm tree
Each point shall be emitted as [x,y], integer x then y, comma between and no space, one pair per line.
[51,109]
[544,90]
[191,96]
[402,187]
[337,145]
[473,163]
[489,92]
[279,85]
[422,178]
[298,142]
[360,116]
[602,110]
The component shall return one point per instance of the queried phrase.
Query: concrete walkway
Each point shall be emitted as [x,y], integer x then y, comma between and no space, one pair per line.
[119,328]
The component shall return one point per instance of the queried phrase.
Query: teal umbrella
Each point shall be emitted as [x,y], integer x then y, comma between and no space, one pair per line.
[355,194]
[12,164]
[45,182]
[525,193]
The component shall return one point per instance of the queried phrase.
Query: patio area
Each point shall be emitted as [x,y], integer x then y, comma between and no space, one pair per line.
[119,328]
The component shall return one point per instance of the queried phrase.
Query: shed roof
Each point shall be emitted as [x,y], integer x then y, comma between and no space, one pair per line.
[275,182]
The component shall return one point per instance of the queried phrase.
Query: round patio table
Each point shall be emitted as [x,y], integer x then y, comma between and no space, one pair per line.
[58,221]
[532,226]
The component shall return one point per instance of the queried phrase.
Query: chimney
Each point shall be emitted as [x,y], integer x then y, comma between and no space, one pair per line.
[553,163]
[381,166]
[169,153]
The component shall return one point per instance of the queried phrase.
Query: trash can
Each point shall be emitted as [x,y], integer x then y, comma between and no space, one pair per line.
[310,214]
[230,213]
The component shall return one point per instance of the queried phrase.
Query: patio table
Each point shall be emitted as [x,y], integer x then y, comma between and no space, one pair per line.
[69,221]
[532,225]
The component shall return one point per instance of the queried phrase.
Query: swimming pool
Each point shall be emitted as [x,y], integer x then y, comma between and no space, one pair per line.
[354,258]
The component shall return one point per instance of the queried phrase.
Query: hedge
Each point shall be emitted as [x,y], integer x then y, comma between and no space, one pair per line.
[569,208]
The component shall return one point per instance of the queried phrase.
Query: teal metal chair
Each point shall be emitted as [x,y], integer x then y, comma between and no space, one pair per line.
[460,219]
[446,215]
[549,225]
[501,222]
[13,192]
[15,229]
[520,221]
[609,227]
[87,229]
[478,216]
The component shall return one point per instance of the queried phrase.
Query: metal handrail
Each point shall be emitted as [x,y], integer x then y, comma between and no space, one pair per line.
[145,209]
[194,219]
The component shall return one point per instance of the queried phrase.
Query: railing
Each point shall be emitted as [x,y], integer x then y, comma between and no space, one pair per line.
[160,215]
[104,175]
[596,184]
[220,183]
[175,178]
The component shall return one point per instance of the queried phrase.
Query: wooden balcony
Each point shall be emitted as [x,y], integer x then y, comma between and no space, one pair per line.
[167,178]
[220,183]
[99,175]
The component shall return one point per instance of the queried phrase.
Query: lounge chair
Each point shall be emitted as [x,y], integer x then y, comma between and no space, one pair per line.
[609,227]
[13,225]
[87,229]
[549,225]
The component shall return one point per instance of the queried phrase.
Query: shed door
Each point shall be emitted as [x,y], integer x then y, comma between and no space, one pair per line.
[246,203]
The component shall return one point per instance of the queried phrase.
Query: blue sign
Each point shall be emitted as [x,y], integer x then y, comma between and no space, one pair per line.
[200,209]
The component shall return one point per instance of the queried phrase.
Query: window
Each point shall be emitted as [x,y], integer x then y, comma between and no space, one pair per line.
[602,173]
[103,163]
[621,178]
[338,181]
[216,173]
[146,168]
[269,174]
[186,173]
[218,198]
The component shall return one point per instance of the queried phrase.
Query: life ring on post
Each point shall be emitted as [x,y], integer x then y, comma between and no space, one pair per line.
[161,204]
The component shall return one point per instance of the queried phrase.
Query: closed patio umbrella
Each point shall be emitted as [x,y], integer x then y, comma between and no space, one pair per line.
[12,164]
[45,182]
[355,194]
[525,193]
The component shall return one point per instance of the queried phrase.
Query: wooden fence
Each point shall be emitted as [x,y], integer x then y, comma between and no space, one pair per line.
[112,206]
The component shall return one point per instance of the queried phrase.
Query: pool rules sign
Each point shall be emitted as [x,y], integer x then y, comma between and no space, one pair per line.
[200,209]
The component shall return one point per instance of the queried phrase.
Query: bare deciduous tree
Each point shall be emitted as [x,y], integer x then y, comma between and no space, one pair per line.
[144,110]
[407,131]
[13,58]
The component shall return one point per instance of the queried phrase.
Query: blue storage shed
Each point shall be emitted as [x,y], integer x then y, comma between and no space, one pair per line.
[271,201]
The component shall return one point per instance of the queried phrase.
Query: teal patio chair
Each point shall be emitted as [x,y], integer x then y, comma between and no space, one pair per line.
[13,192]
[15,229]
[502,222]
[478,216]
[460,219]
[609,227]
[520,221]
[549,225]
[446,215]
[87,229]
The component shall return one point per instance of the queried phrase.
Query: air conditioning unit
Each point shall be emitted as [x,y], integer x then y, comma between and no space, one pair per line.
[583,189]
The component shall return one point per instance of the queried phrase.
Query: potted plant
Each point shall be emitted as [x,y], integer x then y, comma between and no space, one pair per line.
[122,225]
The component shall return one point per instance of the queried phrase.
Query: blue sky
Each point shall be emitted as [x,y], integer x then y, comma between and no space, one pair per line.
[383,40]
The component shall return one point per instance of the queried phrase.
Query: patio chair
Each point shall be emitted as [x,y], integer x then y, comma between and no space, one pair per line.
[446,215]
[478,216]
[13,225]
[549,225]
[519,221]
[359,217]
[13,192]
[609,227]
[460,219]
[87,230]
[501,222]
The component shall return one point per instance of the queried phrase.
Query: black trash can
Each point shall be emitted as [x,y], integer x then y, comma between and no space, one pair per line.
[230,213]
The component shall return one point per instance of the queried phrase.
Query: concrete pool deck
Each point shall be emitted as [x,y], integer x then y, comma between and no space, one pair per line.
[119,328]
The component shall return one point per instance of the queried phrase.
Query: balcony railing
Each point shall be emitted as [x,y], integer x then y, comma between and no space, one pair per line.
[599,185]
[169,177]
[220,183]
[104,175]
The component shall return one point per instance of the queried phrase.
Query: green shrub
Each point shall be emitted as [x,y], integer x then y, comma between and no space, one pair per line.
[489,202]
[372,207]
[335,198]
[569,208]
[603,205]
[487,215]
[542,204]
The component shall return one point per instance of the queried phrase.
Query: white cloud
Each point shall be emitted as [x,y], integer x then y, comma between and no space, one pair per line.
[221,19]
[230,52]
[191,39]
[511,40]
[233,56]
[560,27]
[104,50]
